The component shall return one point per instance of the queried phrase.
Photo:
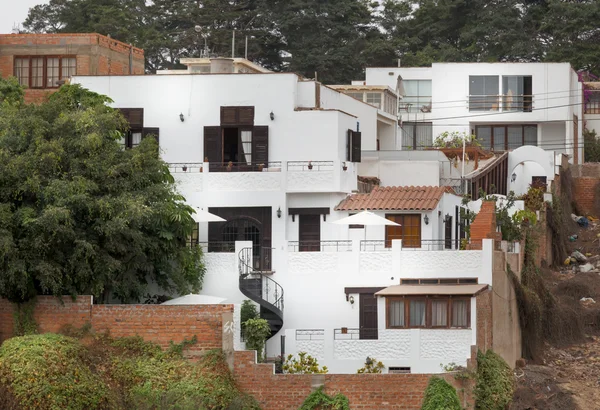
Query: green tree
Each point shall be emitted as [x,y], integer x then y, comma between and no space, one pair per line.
[80,215]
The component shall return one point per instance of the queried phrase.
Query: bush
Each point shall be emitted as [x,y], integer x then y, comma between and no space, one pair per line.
[495,382]
[371,366]
[319,400]
[305,364]
[256,333]
[440,395]
[248,311]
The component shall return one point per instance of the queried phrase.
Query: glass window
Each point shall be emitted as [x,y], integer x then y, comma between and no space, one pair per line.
[515,136]
[499,138]
[530,132]
[483,92]
[68,67]
[37,72]
[417,135]
[396,313]
[516,93]
[52,72]
[484,136]
[356,95]
[374,99]
[417,96]
[439,313]
[194,237]
[417,313]
[136,138]
[246,137]
[21,71]
[460,313]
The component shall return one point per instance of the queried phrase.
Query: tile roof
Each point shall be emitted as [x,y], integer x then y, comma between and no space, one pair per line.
[398,290]
[406,198]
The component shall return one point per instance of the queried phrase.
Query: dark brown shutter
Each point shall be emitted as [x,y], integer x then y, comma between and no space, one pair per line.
[309,233]
[356,138]
[212,144]
[229,116]
[260,145]
[134,116]
[154,132]
[349,145]
[246,115]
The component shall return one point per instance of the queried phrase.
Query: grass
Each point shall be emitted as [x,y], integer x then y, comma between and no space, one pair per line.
[52,371]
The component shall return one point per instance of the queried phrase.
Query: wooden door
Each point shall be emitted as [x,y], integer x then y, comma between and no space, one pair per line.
[409,230]
[368,316]
[448,233]
[309,234]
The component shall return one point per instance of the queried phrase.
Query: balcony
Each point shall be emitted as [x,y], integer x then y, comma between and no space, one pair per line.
[500,103]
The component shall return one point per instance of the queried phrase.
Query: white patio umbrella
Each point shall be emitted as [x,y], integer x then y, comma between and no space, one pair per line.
[200,215]
[193,299]
[365,218]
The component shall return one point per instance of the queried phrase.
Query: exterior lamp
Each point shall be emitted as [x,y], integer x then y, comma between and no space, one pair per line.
[351,300]
[426,219]
[513,177]
[279,212]
[181,117]
[272,116]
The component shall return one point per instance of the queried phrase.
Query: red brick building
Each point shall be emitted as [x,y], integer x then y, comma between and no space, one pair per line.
[42,62]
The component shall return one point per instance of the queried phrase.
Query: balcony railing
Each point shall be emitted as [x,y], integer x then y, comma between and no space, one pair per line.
[310,165]
[517,103]
[347,333]
[217,247]
[320,246]
[592,107]
[310,334]
[410,244]
[374,246]
[195,167]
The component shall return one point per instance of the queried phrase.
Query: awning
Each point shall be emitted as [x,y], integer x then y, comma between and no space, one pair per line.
[431,290]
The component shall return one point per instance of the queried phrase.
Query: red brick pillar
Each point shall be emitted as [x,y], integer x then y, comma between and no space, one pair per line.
[484,226]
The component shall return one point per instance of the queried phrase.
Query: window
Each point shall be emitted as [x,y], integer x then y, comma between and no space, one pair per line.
[44,71]
[516,93]
[246,138]
[374,99]
[506,137]
[194,237]
[356,95]
[592,105]
[409,230]
[483,93]
[390,104]
[428,312]
[417,96]
[417,135]
[395,314]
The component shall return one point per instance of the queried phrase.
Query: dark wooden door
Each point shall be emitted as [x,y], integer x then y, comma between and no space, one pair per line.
[309,234]
[368,316]
[448,233]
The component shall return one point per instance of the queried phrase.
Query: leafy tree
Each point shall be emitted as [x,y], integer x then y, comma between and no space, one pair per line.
[80,215]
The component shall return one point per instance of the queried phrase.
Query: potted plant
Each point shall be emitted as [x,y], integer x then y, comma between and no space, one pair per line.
[310,165]
[345,166]
[184,168]
[261,166]
[205,159]
[229,166]
[344,330]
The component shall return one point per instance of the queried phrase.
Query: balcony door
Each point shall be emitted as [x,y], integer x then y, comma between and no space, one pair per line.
[309,233]
[409,230]
[368,316]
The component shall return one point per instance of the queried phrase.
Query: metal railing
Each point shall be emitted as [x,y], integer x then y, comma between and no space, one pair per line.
[373,246]
[183,167]
[310,166]
[347,333]
[592,107]
[457,184]
[267,290]
[310,334]
[217,247]
[320,246]
[500,102]
[196,167]
[432,245]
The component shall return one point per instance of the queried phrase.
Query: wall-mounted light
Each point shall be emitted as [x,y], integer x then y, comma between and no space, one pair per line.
[351,300]
[426,219]
[181,117]
[272,116]
[513,177]
[279,212]
[447,218]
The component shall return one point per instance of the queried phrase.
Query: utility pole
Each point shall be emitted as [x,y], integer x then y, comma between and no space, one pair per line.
[246,49]
[233,45]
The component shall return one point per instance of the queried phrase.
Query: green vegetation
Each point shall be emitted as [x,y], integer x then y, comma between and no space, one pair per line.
[371,366]
[440,395]
[495,382]
[52,371]
[24,322]
[80,215]
[304,364]
[256,333]
[592,146]
[248,311]
[321,401]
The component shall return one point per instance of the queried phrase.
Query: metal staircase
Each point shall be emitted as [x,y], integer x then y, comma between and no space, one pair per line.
[263,290]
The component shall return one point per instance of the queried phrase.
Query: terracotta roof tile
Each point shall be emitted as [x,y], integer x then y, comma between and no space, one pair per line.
[405,198]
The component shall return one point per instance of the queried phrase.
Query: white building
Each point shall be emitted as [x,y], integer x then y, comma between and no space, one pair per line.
[276,155]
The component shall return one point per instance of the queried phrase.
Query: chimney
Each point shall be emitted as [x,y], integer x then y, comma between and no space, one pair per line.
[221,65]
[484,226]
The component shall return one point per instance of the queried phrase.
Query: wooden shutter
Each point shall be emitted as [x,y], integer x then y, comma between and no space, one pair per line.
[356,145]
[309,233]
[154,132]
[349,145]
[134,116]
[260,145]
[246,115]
[229,115]
[212,144]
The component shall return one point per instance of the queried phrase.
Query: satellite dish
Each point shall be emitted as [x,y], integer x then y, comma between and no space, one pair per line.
[198,29]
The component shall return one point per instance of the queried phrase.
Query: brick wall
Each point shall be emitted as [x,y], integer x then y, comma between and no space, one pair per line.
[157,323]
[483,301]
[364,391]
[484,226]
[584,192]
[96,55]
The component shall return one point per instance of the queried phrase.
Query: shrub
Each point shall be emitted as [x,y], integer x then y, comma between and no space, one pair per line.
[305,364]
[495,382]
[256,332]
[371,366]
[248,311]
[319,400]
[440,395]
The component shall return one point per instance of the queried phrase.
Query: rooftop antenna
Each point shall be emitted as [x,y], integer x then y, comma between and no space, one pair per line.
[206,52]
[15,29]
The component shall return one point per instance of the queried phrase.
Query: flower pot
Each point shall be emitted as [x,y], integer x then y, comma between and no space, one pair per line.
[344,330]
[184,168]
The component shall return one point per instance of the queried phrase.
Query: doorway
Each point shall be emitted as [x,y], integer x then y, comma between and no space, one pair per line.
[368,316]
[309,233]
[230,145]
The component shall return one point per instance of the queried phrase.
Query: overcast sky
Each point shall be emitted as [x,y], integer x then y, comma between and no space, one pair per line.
[15,12]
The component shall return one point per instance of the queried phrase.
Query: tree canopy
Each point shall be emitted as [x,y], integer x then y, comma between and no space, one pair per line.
[81,215]
[338,38]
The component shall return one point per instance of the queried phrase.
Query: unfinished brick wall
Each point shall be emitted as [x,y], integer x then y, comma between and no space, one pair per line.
[586,178]
[364,391]
[484,337]
[484,226]
[156,323]
[96,55]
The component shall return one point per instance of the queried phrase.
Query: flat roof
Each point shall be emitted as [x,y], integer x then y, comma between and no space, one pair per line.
[351,87]
[422,290]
